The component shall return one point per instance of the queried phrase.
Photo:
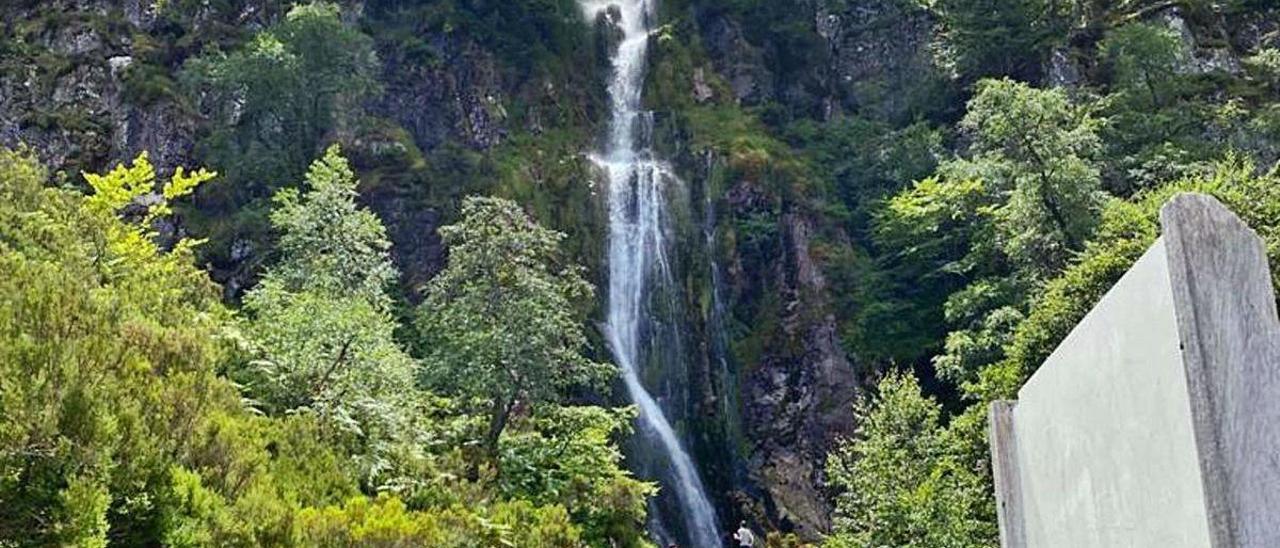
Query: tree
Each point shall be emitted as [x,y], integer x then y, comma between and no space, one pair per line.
[998,37]
[321,317]
[992,226]
[1265,67]
[107,353]
[272,105]
[899,482]
[567,456]
[1037,147]
[278,96]
[504,321]
[1146,58]
[117,429]
[328,242]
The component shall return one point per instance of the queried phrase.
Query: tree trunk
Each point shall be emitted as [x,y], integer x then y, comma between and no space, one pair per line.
[497,423]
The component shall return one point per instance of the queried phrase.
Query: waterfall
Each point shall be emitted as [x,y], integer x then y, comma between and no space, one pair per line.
[638,246]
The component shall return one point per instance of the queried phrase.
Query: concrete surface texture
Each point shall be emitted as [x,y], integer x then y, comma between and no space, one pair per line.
[1157,421]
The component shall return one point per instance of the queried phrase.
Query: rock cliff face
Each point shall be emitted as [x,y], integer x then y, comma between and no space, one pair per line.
[800,396]
[84,86]
[796,383]
[460,99]
[870,57]
[498,100]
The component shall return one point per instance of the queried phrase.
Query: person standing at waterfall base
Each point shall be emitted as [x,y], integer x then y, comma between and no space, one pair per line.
[744,536]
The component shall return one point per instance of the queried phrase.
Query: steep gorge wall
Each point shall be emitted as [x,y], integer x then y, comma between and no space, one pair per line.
[89,83]
[503,98]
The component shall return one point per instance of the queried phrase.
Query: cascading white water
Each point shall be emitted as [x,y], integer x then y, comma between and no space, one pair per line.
[638,246]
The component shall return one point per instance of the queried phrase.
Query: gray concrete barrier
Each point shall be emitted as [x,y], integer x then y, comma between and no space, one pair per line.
[1157,421]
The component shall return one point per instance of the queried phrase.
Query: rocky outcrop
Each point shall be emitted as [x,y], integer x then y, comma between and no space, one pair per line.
[64,87]
[742,64]
[797,386]
[799,399]
[459,98]
[870,57]
[62,108]
[880,61]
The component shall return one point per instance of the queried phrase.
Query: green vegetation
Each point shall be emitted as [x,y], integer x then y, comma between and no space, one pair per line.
[1000,37]
[1022,233]
[276,99]
[140,411]
[955,210]
[321,323]
[1051,195]
[904,484]
[279,95]
[503,323]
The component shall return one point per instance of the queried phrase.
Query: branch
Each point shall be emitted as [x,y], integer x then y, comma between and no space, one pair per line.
[333,367]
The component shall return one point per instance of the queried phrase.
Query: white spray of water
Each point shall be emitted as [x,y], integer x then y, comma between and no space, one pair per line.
[638,244]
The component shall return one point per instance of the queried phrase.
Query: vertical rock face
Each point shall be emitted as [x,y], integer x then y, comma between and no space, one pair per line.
[64,112]
[75,110]
[870,56]
[879,55]
[796,386]
[64,89]
[800,398]
[739,61]
[458,98]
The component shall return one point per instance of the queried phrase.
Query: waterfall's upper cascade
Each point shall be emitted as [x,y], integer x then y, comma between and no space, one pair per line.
[638,244]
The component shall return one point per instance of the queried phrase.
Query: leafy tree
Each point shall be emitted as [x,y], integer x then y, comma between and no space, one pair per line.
[279,96]
[1166,123]
[1038,147]
[321,317]
[1128,228]
[906,468]
[899,482]
[117,429]
[328,242]
[998,37]
[1146,58]
[1265,67]
[986,229]
[986,313]
[107,348]
[565,456]
[504,321]
[272,104]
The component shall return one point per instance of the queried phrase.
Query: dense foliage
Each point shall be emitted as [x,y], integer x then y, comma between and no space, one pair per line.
[120,426]
[955,183]
[1054,195]
[504,322]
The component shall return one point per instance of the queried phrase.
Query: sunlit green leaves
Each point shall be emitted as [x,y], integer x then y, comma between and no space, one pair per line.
[321,319]
[900,481]
[505,320]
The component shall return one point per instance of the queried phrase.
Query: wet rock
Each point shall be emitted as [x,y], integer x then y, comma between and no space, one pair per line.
[797,399]
[800,399]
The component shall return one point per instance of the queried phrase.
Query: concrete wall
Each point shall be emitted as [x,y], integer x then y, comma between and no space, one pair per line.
[1157,421]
